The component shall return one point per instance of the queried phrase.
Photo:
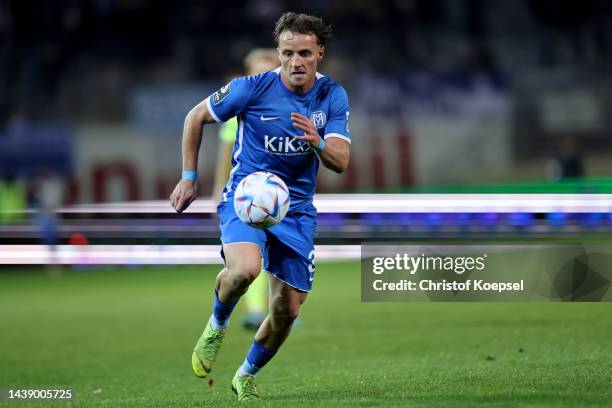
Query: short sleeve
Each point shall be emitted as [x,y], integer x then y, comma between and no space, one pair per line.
[231,99]
[338,122]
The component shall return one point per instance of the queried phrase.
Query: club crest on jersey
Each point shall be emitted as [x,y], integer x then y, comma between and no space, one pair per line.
[221,94]
[319,118]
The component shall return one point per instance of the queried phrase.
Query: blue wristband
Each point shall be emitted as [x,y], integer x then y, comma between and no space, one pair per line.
[321,145]
[190,175]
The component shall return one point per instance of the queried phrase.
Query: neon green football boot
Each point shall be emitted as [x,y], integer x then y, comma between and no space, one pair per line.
[206,350]
[244,388]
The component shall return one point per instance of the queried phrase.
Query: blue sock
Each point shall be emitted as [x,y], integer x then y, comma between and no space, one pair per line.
[221,313]
[257,357]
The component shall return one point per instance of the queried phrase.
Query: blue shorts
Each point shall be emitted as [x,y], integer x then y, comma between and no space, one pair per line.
[287,248]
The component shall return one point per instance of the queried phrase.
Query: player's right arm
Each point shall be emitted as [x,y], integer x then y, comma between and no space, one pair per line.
[186,190]
[228,101]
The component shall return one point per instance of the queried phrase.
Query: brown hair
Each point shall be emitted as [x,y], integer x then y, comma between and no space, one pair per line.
[303,24]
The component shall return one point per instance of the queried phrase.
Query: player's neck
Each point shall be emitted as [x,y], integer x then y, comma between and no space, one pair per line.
[297,89]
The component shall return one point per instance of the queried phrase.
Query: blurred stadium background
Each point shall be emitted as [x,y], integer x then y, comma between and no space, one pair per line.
[447,96]
[443,93]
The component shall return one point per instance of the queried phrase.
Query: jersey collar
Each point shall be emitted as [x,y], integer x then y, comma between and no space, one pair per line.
[290,92]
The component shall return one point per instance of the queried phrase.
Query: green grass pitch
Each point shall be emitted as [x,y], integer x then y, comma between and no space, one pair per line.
[123,338]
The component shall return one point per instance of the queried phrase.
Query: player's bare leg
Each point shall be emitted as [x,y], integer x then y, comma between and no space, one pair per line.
[242,265]
[285,303]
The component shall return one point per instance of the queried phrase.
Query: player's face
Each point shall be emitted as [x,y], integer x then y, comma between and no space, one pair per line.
[299,55]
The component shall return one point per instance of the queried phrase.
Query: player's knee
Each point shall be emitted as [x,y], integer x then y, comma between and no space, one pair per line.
[293,314]
[282,321]
[283,315]
[241,277]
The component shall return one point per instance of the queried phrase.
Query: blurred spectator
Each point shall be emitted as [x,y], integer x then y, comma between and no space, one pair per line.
[13,199]
[256,298]
[567,162]
[49,193]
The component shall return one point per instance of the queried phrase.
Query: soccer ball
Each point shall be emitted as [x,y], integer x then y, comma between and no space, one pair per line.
[261,200]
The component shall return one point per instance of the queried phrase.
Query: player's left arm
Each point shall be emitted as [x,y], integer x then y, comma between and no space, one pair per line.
[335,153]
[335,150]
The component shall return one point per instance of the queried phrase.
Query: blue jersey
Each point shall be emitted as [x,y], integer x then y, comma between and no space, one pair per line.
[265,140]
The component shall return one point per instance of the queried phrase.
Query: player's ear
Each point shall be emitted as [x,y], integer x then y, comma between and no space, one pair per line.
[321,53]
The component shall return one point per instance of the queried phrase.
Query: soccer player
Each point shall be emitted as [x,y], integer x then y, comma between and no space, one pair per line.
[256,62]
[290,119]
